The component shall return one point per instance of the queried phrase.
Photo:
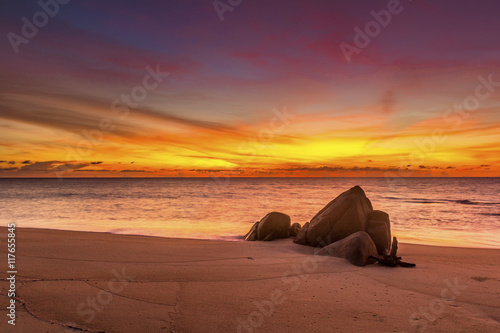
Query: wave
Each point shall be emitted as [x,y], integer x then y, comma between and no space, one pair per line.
[423,201]
[467,202]
[442,201]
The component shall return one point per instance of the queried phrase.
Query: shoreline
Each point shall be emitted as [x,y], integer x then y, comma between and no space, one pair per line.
[236,177]
[241,238]
[114,283]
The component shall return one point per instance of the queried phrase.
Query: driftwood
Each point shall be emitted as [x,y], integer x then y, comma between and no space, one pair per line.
[391,259]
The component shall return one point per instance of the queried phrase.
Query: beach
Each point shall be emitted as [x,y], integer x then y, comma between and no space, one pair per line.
[249,166]
[68,281]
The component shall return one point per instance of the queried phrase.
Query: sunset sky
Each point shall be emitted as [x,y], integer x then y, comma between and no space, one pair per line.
[267,91]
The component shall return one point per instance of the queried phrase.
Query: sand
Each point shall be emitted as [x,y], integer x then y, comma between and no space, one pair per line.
[117,283]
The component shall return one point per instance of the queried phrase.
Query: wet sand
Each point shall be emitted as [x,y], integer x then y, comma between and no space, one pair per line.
[116,283]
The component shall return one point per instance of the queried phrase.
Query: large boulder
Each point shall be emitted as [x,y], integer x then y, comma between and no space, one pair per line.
[272,226]
[301,237]
[343,216]
[356,248]
[378,227]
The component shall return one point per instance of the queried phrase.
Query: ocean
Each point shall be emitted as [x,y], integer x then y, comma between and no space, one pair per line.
[435,211]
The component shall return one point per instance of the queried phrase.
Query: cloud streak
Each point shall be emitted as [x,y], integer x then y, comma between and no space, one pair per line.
[214,110]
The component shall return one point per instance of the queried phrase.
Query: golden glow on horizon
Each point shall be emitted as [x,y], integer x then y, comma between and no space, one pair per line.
[366,143]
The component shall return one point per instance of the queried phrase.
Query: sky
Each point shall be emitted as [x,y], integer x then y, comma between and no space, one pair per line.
[242,88]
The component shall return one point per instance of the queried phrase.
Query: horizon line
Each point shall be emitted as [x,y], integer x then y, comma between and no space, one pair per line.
[245,177]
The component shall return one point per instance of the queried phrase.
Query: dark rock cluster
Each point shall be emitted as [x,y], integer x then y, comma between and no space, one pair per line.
[347,227]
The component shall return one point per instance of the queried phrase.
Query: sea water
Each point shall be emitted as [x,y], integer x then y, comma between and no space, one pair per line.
[435,211]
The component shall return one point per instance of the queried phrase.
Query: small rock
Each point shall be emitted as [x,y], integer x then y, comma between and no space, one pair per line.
[378,227]
[272,226]
[301,237]
[356,248]
[294,229]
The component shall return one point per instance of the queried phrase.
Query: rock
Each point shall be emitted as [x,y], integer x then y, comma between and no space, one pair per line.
[391,259]
[356,248]
[342,217]
[301,237]
[294,230]
[272,236]
[378,227]
[272,226]
[252,234]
